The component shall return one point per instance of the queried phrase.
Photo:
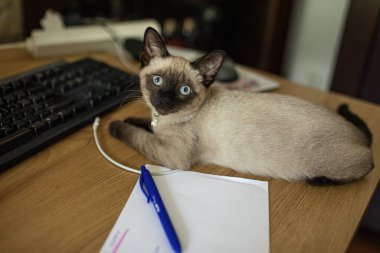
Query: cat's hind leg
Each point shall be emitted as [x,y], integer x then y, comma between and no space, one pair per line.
[354,164]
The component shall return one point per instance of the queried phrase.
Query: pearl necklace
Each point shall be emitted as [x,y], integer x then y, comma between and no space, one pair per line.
[155,117]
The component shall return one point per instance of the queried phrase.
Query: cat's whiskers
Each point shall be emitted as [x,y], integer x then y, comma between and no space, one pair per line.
[133,97]
[132,83]
[126,91]
[132,92]
[129,99]
[138,91]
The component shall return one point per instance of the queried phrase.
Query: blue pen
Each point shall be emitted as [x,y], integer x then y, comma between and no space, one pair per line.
[150,190]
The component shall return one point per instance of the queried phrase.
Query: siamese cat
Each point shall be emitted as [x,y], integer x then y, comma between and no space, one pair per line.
[265,134]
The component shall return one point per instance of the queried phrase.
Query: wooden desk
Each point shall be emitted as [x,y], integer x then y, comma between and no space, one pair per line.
[67,197]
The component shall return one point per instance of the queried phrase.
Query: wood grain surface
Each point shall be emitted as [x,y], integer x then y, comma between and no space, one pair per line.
[67,197]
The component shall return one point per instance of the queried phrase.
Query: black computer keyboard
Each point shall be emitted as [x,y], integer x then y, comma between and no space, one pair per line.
[41,106]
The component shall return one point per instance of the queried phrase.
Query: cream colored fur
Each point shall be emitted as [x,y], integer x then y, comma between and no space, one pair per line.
[263,134]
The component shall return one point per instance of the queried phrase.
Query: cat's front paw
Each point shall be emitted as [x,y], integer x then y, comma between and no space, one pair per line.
[115,128]
[140,122]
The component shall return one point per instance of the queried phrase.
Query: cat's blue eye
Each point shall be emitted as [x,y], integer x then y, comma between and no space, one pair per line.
[157,80]
[185,90]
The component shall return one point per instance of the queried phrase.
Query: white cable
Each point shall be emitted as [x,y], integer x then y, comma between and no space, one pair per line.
[124,56]
[95,126]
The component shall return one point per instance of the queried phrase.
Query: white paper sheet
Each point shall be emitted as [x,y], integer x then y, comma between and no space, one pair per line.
[210,214]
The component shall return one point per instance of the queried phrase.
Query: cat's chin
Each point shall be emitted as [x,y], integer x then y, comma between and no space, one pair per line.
[161,110]
[164,112]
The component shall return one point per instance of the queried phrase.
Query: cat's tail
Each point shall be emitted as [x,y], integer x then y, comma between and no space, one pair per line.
[345,112]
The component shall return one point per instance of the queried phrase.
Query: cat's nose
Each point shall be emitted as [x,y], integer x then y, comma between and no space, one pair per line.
[166,102]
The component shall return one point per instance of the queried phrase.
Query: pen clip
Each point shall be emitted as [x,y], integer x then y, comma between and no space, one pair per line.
[143,186]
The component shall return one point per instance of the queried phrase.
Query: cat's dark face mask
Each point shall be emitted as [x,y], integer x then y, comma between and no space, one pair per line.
[174,84]
[170,92]
[165,102]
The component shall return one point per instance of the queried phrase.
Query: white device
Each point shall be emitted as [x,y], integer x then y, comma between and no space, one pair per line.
[84,39]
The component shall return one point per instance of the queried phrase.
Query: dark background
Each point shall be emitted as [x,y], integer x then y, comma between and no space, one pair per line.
[252,32]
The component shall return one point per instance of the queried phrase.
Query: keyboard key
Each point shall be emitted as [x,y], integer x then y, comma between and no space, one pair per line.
[96,100]
[5,89]
[38,108]
[10,99]
[56,70]
[53,120]
[27,82]
[39,127]
[62,104]
[23,112]
[62,78]
[66,114]
[3,111]
[53,83]
[17,85]
[15,139]
[33,119]
[48,73]
[79,108]
[36,90]
[43,114]
[48,94]
[35,99]
[78,80]
[39,77]
[21,94]
[52,101]
[64,88]
[24,103]
[21,124]
[8,130]
[14,108]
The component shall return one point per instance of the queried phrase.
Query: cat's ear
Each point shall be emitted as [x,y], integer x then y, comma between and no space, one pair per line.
[154,46]
[209,65]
